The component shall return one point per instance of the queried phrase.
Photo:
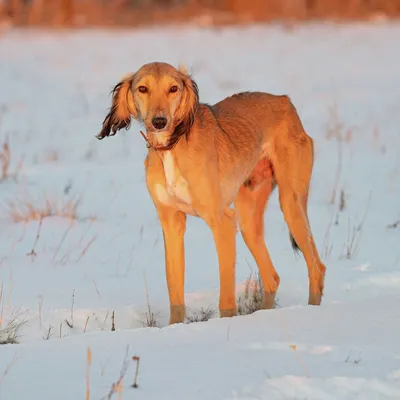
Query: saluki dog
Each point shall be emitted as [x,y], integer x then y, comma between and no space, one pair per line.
[203,159]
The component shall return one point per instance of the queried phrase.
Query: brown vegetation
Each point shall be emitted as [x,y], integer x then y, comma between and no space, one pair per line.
[9,334]
[26,210]
[204,12]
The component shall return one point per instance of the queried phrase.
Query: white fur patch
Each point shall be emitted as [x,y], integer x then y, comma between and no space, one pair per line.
[162,194]
[168,200]
[169,168]
[176,184]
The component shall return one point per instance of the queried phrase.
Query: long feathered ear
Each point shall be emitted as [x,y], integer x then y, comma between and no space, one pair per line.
[121,110]
[186,111]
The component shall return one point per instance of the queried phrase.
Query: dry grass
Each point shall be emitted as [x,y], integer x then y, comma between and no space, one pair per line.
[354,233]
[5,161]
[201,316]
[10,333]
[352,244]
[26,210]
[150,320]
[327,246]
[251,299]
[336,130]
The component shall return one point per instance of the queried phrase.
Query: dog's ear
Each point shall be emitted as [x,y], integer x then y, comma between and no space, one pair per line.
[189,101]
[121,110]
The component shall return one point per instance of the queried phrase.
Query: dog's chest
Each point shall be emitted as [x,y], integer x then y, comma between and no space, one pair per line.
[176,184]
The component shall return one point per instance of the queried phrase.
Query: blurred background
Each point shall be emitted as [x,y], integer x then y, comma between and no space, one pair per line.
[205,12]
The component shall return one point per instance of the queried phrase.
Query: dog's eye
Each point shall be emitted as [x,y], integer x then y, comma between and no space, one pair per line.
[173,89]
[142,89]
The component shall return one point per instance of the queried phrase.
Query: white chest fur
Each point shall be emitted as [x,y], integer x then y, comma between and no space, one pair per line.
[170,169]
[176,185]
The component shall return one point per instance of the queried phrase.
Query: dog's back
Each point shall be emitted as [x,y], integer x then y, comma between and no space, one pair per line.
[260,111]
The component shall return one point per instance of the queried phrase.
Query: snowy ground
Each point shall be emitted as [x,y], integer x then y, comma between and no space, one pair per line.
[53,97]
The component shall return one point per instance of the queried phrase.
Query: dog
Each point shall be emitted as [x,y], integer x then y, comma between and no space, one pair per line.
[203,159]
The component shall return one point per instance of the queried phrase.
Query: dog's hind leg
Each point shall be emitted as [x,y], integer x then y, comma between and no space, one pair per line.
[292,160]
[250,205]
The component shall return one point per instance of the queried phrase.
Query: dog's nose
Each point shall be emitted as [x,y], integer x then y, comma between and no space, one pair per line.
[159,122]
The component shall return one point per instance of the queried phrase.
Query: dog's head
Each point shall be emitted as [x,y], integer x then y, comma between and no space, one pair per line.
[162,97]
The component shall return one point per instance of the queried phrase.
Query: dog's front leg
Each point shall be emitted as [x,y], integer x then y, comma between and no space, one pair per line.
[224,232]
[173,225]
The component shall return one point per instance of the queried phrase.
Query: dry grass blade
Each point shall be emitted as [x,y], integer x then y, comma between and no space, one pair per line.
[151,320]
[63,239]
[49,333]
[361,224]
[117,387]
[327,245]
[33,253]
[5,160]
[342,201]
[113,321]
[88,365]
[86,324]
[7,370]
[71,322]
[137,359]
[84,251]
[335,130]
[354,233]
[352,244]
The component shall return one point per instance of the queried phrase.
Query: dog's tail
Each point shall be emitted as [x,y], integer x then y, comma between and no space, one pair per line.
[295,246]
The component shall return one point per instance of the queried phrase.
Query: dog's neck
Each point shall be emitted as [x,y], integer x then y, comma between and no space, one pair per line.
[167,140]
[159,140]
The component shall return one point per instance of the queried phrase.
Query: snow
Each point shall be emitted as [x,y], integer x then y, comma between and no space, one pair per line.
[54,95]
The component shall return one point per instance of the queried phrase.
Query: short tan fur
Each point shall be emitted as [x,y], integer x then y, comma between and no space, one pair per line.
[204,159]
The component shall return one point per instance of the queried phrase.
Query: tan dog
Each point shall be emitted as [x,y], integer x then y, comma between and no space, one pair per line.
[202,159]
